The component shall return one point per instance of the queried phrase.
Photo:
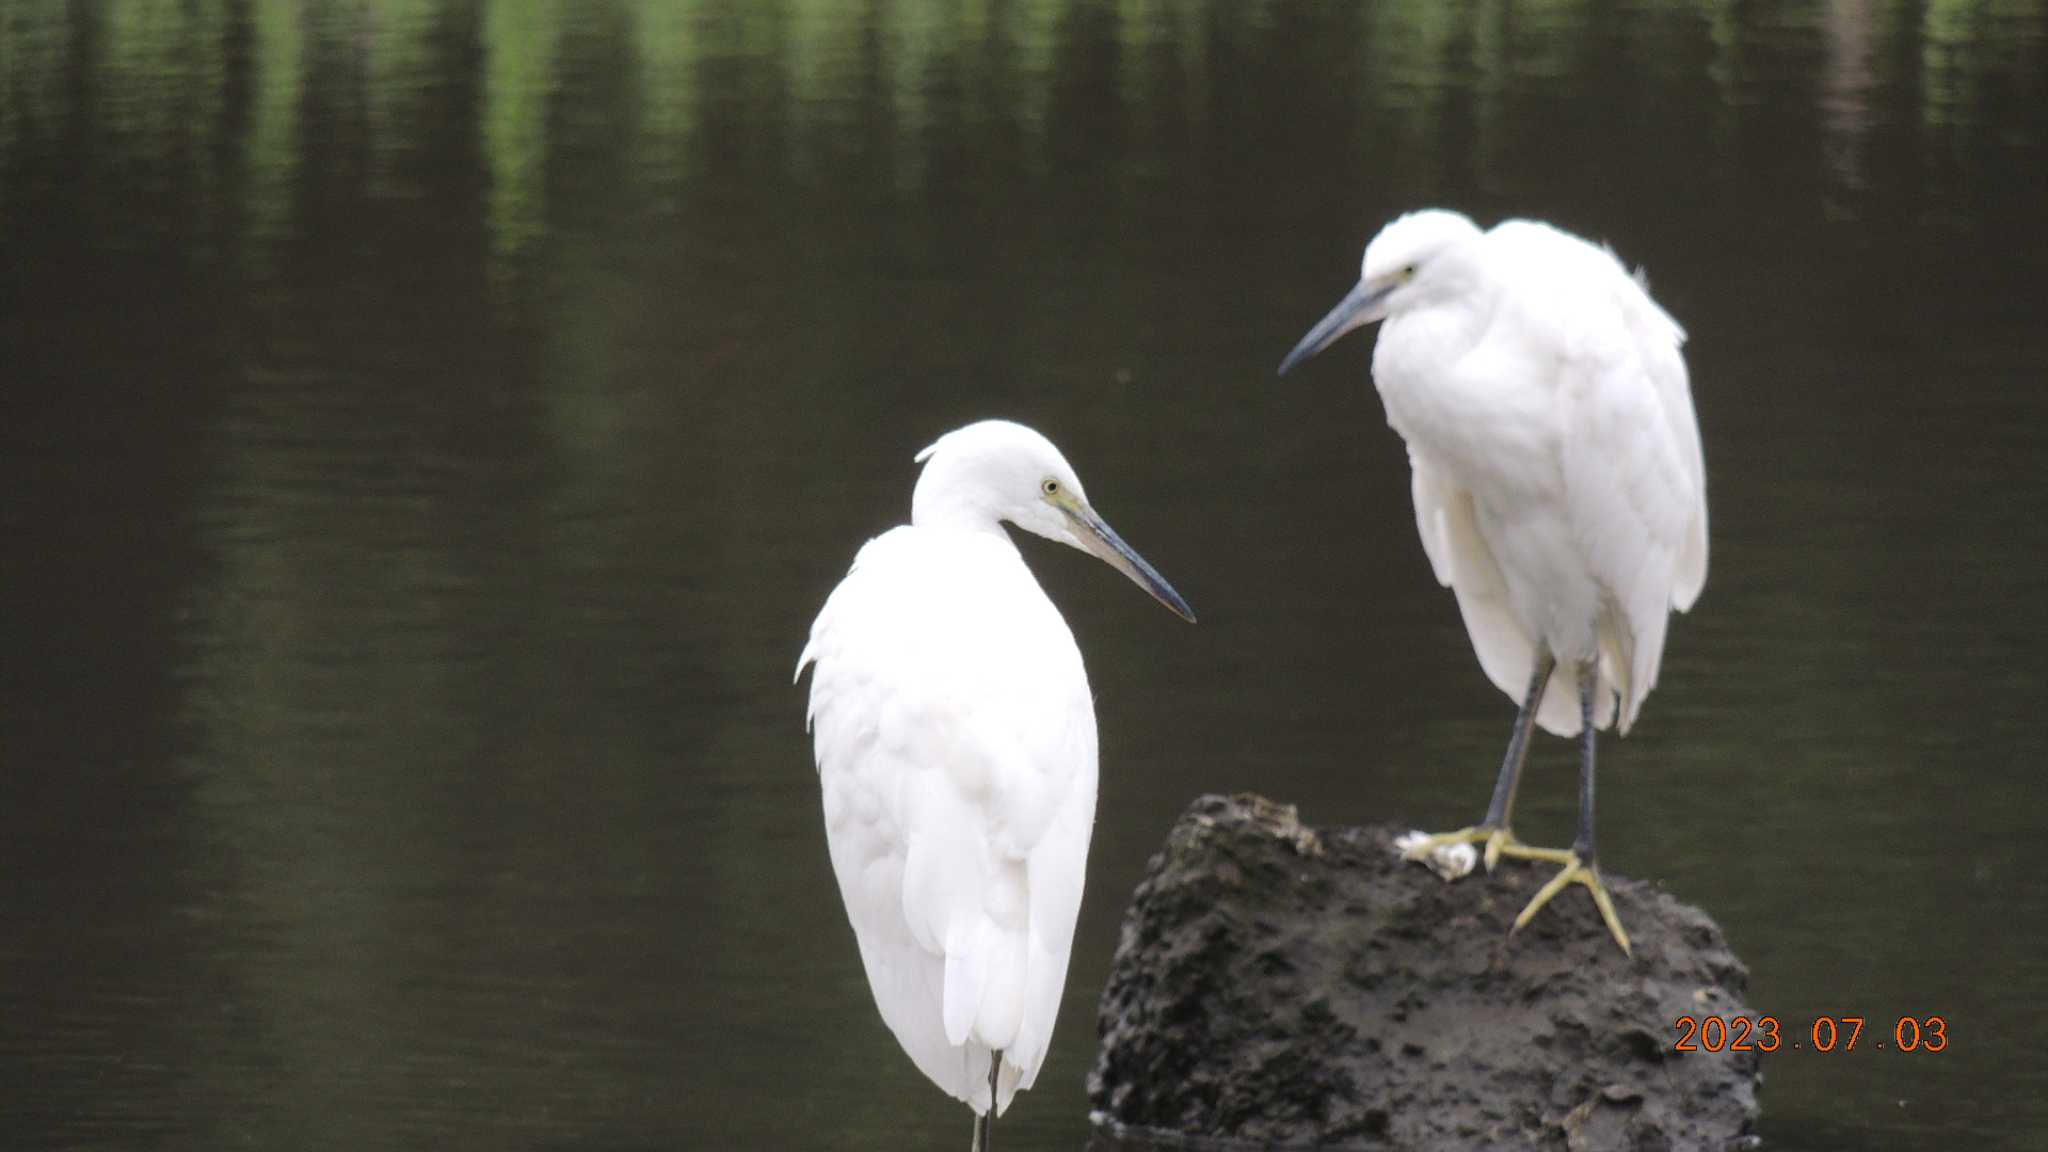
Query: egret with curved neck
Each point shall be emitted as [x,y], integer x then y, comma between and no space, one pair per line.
[955,741]
[1559,485]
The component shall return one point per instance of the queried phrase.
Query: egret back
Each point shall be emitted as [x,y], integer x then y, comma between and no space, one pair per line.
[1649,343]
[956,749]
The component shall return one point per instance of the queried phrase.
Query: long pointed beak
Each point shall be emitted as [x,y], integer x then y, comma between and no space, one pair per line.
[1360,306]
[1099,538]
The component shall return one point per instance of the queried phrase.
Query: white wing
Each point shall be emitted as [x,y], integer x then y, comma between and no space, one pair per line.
[956,749]
[1660,338]
[1634,478]
[1464,564]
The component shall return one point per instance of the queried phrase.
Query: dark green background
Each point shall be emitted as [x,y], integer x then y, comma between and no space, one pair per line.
[430,427]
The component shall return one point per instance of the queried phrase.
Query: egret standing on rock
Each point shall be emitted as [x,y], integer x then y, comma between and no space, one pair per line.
[955,740]
[1559,485]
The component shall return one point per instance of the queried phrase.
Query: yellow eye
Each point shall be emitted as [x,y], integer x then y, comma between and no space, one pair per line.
[1408,272]
[1051,487]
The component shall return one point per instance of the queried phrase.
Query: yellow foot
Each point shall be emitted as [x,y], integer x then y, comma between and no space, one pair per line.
[1499,842]
[1574,872]
[1505,844]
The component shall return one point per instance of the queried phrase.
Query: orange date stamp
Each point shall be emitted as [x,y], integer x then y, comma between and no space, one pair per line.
[1823,1034]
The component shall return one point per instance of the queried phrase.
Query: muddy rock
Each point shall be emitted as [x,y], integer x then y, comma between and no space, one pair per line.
[1281,985]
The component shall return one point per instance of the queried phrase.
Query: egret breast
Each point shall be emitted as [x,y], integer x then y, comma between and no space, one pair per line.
[1483,407]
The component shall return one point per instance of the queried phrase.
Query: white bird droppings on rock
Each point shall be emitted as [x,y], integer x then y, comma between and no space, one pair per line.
[1449,861]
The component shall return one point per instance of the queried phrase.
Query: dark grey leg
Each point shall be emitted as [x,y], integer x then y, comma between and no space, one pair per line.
[1578,864]
[1503,806]
[1493,831]
[1582,846]
[985,1126]
[995,1066]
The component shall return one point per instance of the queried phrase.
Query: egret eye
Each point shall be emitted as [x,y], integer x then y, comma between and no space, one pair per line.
[1051,487]
[1408,272]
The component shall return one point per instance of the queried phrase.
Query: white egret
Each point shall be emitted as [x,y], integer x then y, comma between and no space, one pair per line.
[1559,485]
[955,739]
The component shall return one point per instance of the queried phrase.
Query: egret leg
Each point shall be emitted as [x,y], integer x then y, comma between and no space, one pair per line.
[1495,830]
[1580,865]
[985,1125]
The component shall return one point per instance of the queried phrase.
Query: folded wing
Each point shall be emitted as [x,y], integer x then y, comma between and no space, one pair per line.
[955,740]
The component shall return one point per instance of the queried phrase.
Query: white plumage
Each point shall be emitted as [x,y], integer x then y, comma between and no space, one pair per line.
[959,792]
[955,741]
[1559,486]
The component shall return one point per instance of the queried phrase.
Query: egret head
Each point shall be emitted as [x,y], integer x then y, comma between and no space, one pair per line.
[995,471]
[1404,266]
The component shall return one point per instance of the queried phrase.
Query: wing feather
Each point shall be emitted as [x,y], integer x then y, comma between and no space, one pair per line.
[1464,563]
[1558,468]
[1634,474]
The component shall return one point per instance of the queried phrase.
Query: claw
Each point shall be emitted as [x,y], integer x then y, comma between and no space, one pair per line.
[1576,872]
[1499,842]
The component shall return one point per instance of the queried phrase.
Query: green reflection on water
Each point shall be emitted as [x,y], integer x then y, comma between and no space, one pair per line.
[553,357]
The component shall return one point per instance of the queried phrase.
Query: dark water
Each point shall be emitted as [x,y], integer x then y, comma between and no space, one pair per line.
[429,428]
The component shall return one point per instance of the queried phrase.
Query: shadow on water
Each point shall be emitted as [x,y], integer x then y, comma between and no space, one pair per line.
[433,424]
